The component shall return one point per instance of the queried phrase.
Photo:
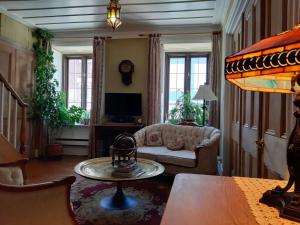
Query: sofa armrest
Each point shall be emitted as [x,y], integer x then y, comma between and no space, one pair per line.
[214,140]
[49,201]
[207,152]
[140,137]
[13,172]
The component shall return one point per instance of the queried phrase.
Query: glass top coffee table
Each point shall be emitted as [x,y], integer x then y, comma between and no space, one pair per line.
[101,169]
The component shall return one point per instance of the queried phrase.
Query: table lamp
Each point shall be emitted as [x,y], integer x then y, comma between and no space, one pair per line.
[273,65]
[206,94]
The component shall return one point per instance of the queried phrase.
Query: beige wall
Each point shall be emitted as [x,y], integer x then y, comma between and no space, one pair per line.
[135,50]
[15,31]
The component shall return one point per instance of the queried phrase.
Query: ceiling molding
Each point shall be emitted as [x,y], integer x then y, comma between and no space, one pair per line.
[170,34]
[16,18]
[142,29]
[227,6]
[221,7]
[238,7]
[128,20]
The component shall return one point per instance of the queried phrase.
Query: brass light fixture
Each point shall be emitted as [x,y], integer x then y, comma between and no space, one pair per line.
[114,14]
[273,65]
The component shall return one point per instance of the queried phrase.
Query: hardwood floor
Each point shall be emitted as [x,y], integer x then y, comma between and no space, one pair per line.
[39,170]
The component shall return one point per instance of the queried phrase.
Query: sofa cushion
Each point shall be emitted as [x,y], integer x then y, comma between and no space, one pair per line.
[154,138]
[184,158]
[11,176]
[175,143]
[153,150]
[162,154]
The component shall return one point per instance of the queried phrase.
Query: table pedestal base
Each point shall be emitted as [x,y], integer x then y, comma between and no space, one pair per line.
[118,201]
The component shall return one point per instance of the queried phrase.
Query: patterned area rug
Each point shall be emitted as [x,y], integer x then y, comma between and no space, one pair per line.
[152,195]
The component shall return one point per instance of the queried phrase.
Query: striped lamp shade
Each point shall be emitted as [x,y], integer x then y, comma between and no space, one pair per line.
[270,65]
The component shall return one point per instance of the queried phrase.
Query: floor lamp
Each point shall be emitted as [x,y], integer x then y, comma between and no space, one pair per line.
[206,94]
[273,65]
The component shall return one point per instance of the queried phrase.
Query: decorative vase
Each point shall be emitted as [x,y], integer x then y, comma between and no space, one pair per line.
[189,117]
[54,150]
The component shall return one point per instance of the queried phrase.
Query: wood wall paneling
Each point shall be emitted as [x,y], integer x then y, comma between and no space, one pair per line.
[273,115]
[262,115]
[248,109]
[24,72]
[257,115]
[17,66]
[255,110]
[7,59]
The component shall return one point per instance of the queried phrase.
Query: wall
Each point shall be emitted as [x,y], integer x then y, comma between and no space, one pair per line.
[15,32]
[225,104]
[260,123]
[74,140]
[135,50]
[57,61]
[17,63]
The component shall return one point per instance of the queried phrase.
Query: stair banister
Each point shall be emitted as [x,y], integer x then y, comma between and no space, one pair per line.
[4,84]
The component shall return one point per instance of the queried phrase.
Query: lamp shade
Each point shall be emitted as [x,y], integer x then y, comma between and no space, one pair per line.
[270,65]
[204,92]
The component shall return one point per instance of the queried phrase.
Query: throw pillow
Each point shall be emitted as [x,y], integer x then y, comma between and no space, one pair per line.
[154,138]
[11,176]
[175,143]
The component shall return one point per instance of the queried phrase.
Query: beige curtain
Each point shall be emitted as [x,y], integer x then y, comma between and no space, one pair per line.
[215,79]
[154,83]
[97,90]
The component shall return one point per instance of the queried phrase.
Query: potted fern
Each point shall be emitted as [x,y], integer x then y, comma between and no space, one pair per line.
[48,105]
[185,110]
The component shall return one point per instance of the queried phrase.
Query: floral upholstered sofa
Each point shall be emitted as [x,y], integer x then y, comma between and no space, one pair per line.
[188,149]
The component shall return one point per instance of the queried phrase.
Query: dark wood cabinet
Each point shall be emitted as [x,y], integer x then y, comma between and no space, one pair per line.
[106,132]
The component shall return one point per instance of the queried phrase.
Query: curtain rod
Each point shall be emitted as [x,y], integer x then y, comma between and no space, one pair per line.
[143,35]
[187,33]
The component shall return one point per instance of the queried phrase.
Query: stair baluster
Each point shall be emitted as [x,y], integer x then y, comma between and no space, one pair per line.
[11,135]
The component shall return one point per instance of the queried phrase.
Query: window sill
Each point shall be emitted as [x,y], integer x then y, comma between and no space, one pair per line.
[81,125]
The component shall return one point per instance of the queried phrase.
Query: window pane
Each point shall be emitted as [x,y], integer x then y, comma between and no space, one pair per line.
[74,82]
[198,73]
[176,80]
[89,84]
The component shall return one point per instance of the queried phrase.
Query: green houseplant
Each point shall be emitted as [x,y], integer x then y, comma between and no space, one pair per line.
[85,118]
[185,110]
[48,104]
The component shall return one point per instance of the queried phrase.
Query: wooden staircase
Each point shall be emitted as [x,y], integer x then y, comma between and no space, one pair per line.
[12,123]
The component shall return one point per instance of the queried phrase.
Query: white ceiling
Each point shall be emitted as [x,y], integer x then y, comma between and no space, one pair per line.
[78,15]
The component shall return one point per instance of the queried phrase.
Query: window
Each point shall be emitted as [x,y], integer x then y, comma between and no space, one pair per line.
[184,73]
[78,81]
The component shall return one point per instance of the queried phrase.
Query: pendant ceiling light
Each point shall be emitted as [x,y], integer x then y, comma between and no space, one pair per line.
[114,14]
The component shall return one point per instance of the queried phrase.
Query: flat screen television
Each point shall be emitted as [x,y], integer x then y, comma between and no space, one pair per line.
[123,104]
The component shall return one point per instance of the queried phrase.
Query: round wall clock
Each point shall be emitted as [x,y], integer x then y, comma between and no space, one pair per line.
[126,68]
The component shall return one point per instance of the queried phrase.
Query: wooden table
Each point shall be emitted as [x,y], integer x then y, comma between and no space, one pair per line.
[206,200]
[101,169]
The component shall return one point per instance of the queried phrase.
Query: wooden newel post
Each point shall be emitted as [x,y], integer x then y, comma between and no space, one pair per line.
[23,131]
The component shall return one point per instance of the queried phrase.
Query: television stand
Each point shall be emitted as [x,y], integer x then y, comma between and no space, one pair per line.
[107,132]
